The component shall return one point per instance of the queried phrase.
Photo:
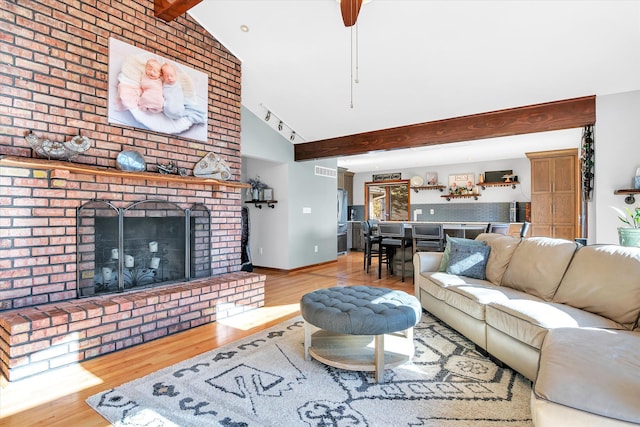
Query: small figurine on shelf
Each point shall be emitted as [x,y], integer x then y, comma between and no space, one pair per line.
[170,169]
[256,186]
[453,189]
[508,177]
[432,178]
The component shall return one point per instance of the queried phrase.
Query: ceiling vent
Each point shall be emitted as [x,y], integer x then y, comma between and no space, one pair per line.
[328,172]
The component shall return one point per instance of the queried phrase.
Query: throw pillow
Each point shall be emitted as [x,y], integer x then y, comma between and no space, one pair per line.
[468,260]
[444,263]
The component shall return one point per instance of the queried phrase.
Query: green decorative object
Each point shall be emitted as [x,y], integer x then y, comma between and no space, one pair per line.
[629,236]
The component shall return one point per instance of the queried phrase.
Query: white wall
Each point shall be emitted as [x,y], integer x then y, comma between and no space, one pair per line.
[617,156]
[286,235]
[520,167]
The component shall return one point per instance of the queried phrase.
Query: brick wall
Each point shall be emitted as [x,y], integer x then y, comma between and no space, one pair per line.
[53,81]
[36,339]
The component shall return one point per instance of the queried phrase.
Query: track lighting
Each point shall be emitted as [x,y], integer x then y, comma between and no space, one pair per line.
[279,125]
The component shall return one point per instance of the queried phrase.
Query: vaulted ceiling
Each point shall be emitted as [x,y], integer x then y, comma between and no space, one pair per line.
[422,61]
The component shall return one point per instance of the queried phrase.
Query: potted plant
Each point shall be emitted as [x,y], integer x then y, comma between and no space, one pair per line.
[629,235]
[256,186]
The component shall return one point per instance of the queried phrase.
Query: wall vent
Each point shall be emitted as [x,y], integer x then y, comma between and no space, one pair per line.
[328,172]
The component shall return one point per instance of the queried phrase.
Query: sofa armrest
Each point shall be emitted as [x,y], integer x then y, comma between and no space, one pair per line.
[590,370]
[426,261]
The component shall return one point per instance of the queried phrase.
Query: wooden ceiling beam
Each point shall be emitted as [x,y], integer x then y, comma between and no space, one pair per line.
[557,115]
[168,10]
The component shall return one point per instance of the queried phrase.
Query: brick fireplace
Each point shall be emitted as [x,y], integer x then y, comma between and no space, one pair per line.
[56,86]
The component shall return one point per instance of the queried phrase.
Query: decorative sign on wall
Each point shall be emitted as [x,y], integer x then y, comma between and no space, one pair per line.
[387,176]
[151,92]
[461,183]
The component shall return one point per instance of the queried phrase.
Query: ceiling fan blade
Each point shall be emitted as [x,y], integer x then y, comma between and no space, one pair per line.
[350,10]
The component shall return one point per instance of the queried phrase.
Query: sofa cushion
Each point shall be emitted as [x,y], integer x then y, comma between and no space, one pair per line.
[538,264]
[593,370]
[468,260]
[528,320]
[436,284]
[604,280]
[502,249]
[444,263]
[472,299]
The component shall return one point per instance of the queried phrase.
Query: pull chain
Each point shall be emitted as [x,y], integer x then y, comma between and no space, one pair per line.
[357,57]
[351,70]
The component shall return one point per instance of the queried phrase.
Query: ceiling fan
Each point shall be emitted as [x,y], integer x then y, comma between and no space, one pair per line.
[350,10]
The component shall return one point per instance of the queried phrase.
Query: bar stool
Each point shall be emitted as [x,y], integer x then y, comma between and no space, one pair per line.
[371,244]
[498,228]
[393,236]
[428,237]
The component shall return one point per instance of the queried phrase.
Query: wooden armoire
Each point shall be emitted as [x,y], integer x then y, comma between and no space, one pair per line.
[555,194]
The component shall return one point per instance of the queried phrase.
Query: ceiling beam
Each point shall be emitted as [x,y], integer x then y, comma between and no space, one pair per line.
[557,115]
[168,10]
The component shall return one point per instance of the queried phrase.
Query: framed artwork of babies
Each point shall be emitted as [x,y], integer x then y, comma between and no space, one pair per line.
[151,92]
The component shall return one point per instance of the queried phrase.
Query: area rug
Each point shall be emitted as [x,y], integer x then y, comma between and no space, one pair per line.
[263,380]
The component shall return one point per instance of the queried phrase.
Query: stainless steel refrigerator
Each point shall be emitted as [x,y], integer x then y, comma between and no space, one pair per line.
[342,221]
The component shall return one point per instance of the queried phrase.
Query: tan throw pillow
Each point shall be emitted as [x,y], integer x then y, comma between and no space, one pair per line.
[502,249]
[605,280]
[538,264]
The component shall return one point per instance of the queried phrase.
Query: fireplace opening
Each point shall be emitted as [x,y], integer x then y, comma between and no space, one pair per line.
[148,243]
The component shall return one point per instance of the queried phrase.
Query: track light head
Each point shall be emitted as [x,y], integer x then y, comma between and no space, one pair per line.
[268,116]
[280,125]
[292,137]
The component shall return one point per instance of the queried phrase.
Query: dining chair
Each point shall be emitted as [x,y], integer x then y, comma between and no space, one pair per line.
[499,228]
[428,237]
[393,237]
[371,244]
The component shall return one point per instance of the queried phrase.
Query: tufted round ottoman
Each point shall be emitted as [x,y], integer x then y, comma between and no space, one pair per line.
[353,322]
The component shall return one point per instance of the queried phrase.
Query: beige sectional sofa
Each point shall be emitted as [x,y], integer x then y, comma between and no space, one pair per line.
[563,315]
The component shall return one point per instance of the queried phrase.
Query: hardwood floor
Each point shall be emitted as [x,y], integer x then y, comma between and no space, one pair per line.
[57,398]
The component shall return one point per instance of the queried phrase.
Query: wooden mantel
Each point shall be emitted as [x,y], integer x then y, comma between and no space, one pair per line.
[557,115]
[168,10]
[28,162]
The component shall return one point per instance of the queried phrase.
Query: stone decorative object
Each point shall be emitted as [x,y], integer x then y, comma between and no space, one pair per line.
[171,168]
[130,161]
[212,166]
[67,150]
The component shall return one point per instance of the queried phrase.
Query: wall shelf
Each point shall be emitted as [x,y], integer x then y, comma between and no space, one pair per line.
[629,193]
[28,162]
[429,187]
[460,196]
[258,203]
[512,184]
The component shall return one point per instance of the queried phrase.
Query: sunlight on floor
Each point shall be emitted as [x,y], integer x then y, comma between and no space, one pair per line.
[43,388]
[257,317]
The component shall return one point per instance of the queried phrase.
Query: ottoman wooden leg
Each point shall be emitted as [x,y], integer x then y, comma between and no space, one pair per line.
[307,340]
[409,335]
[379,357]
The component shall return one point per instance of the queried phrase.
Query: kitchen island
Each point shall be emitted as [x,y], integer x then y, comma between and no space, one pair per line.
[467,229]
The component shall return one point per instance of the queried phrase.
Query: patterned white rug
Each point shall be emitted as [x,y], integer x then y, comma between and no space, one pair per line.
[263,380]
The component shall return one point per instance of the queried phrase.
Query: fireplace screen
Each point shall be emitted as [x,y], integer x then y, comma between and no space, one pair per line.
[146,244]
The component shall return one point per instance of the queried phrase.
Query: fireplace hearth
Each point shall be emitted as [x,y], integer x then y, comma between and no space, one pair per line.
[146,244]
